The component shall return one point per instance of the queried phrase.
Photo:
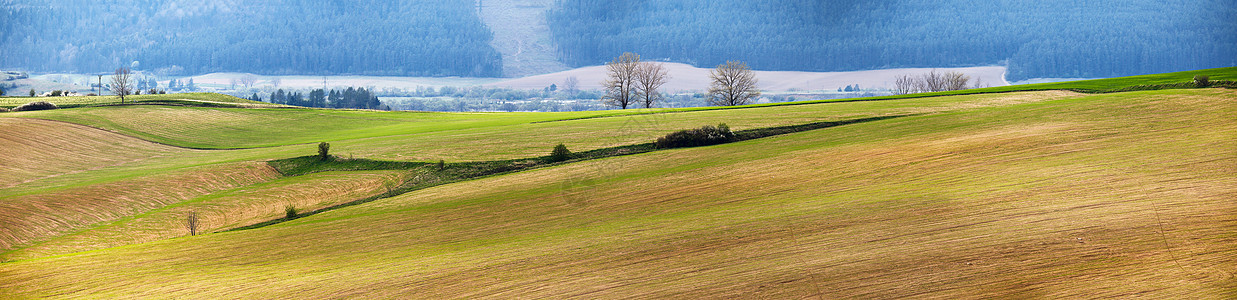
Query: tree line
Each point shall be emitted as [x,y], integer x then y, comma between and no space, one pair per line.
[1036,39]
[169,37]
[360,98]
[630,82]
[932,81]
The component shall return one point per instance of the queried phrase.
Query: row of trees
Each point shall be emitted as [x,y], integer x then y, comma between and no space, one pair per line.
[631,81]
[932,81]
[1050,38]
[361,98]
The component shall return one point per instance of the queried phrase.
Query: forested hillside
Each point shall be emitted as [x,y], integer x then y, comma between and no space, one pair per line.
[1052,38]
[371,37]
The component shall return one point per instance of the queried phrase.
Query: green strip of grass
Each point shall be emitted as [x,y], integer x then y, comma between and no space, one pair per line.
[430,174]
[183,99]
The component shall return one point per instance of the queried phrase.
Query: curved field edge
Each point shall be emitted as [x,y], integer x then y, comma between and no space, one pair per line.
[219,210]
[429,175]
[187,99]
[38,149]
[1068,198]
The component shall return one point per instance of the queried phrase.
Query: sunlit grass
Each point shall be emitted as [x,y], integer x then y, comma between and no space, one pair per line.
[191,99]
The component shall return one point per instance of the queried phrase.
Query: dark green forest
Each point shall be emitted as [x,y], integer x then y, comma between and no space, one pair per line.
[1051,38]
[362,37]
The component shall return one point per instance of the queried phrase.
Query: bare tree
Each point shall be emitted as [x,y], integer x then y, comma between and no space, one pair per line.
[191,223]
[571,85]
[249,80]
[904,84]
[932,82]
[121,83]
[955,81]
[621,80]
[650,77]
[733,84]
[276,81]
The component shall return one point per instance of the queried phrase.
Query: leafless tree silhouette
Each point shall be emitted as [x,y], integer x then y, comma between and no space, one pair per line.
[733,84]
[122,84]
[620,84]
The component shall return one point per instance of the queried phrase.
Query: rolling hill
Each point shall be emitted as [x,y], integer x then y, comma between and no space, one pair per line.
[1050,193]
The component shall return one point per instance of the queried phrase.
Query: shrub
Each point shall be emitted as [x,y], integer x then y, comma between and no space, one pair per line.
[442,165]
[289,212]
[1202,80]
[57,93]
[324,151]
[703,136]
[37,105]
[560,153]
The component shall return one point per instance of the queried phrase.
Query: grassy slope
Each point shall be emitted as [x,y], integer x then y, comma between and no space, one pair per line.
[219,210]
[189,99]
[105,175]
[464,136]
[27,157]
[117,191]
[1112,195]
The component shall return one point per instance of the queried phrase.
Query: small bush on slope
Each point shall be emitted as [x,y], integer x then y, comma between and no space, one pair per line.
[37,105]
[703,136]
[560,153]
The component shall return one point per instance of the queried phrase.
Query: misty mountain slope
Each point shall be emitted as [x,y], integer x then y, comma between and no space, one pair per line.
[422,38]
[522,36]
[1057,38]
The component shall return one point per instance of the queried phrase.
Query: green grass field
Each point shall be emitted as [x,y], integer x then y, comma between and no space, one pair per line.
[1045,194]
[404,135]
[123,177]
[187,99]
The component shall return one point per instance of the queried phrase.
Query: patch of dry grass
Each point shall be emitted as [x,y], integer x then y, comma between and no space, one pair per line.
[40,149]
[30,218]
[220,211]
